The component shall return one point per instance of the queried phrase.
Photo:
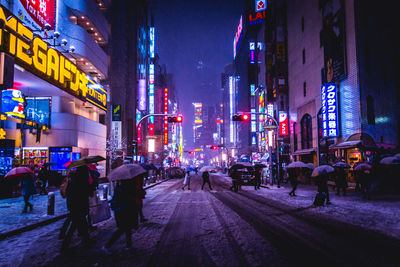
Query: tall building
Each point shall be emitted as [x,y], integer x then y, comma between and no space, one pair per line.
[53,102]
[338,67]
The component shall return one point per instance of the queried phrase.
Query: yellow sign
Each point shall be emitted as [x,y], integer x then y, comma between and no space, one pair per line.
[2,133]
[37,56]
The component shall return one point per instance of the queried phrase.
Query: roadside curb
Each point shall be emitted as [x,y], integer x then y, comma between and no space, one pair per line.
[52,220]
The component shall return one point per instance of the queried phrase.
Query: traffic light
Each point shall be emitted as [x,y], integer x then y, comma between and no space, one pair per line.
[175,118]
[214,147]
[240,117]
[191,152]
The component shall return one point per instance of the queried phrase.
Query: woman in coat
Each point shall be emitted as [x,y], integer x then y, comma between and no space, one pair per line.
[186,181]
[125,210]
[293,174]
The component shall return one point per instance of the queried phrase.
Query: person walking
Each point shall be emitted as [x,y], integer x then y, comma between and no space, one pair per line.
[186,181]
[341,181]
[78,196]
[293,174]
[140,195]
[196,170]
[365,182]
[125,210]
[257,179]
[64,188]
[206,179]
[322,186]
[43,177]
[28,189]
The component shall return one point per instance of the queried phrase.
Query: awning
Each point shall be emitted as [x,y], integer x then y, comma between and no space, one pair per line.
[304,151]
[345,145]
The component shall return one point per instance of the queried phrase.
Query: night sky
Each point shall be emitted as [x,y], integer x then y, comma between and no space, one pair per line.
[194,39]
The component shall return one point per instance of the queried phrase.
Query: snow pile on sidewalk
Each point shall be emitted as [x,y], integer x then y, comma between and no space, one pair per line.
[381,213]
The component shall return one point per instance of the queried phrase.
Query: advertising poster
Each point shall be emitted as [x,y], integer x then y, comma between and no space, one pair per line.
[36,13]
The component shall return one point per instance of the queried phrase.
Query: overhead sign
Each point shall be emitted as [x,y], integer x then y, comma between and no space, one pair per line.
[329,110]
[36,13]
[238,36]
[38,57]
[283,123]
[142,95]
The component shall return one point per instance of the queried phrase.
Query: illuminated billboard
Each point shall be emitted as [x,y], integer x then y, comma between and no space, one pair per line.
[38,110]
[142,95]
[12,103]
[198,113]
[283,123]
[166,117]
[238,37]
[329,110]
[36,13]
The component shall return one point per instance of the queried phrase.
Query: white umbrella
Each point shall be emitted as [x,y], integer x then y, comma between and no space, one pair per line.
[321,170]
[296,164]
[341,164]
[390,161]
[125,172]
[397,155]
[363,166]
[311,166]
[207,168]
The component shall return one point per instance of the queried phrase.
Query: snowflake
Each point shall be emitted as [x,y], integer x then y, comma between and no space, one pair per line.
[43,7]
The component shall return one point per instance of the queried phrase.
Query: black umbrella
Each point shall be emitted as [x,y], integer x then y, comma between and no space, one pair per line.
[260,166]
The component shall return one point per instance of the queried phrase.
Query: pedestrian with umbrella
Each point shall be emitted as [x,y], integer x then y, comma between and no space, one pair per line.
[78,192]
[294,172]
[27,184]
[186,181]
[123,202]
[341,177]
[321,174]
[358,173]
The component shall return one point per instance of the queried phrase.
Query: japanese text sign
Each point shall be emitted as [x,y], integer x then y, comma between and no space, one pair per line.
[329,110]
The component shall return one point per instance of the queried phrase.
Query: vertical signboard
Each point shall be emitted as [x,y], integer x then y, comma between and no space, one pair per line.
[116,126]
[142,95]
[166,117]
[283,123]
[238,37]
[329,110]
[252,52]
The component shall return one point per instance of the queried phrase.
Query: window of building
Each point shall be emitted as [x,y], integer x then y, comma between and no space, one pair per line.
[304,89]
[302,24]
[295,136]
[304,56]
[306,131]
[370,110]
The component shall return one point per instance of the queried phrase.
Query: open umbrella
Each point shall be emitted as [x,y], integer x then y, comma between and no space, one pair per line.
[207,168]
[321,170]
[397,155]
[311,166]
[259,166]
[148,166]
[85,161]
[125,172]
[390,161]
[296,164]
[341,164]
[363,166]
[18,171]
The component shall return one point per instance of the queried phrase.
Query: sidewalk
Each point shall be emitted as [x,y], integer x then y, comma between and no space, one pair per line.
[13,221]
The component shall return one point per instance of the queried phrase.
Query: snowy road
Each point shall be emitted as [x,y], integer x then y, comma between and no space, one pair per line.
[214,228]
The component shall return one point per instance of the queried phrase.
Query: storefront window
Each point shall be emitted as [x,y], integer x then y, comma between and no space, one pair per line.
[306,131]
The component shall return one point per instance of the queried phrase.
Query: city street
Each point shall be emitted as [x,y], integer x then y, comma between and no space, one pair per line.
[219,227]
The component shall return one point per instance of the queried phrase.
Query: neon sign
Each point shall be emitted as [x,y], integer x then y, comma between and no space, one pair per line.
[261,5]
[45,62]
[142,95]
[151,47]
[259,16]
[37,13]
[329,110]
[252,52]
[166,117]
[238,36]
[283,123]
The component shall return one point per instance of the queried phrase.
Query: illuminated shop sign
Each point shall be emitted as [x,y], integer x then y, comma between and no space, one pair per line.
[142,95]
[270,109]
[198,113]
[252,52]
[259,12]
[166,117]
[151,92]
[36,13]
[252,89]
[329,110]
[231,108]
[36,56]
[261,109]
[96,94]
[151,47]
[283,123]
[13,103]
[238,36]
[2,133]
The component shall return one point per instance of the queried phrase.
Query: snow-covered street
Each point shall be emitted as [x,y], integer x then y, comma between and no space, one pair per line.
[219,227]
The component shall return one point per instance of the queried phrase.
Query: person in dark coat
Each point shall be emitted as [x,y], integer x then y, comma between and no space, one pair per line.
[236,179]
[322,186]
[125,212]
[43,177]
[365,181]
[78,197]
[293,174]
[206,179]
[341,181]
[257,179]
[140,195]
[28,189]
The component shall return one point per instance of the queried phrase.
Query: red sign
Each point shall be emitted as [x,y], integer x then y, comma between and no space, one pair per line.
[166,117]
[41,11]
[283,123]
